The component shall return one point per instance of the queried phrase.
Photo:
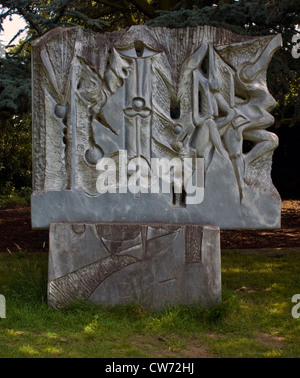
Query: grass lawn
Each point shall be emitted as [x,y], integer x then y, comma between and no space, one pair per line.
[254,319]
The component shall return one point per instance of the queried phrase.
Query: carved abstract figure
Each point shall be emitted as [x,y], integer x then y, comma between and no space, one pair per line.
[226,124]
[212,122]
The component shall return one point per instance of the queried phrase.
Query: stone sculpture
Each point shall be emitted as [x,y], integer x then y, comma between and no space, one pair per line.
[150,126]
[154,93]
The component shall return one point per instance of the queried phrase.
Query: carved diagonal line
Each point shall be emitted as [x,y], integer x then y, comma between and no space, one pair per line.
[82,283]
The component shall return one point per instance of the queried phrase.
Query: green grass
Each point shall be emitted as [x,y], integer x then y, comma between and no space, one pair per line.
[254,319]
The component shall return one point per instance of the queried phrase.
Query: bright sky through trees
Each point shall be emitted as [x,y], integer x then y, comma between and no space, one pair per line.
[11,28]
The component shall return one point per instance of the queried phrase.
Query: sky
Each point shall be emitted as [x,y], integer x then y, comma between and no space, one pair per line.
[11,28]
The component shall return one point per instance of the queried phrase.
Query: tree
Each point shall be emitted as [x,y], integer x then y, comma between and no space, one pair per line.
[15,152]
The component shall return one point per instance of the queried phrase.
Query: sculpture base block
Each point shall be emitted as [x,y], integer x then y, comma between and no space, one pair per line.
[150,264]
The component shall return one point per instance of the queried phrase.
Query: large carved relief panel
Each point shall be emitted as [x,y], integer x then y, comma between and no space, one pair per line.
[156,93]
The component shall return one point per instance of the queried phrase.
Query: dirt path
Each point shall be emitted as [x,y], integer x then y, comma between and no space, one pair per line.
[287,236]
[16,232]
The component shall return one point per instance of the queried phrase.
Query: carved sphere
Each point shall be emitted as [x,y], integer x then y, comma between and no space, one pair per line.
[78,228]
[138,104]
[61,111]
[177,129]
[93,155]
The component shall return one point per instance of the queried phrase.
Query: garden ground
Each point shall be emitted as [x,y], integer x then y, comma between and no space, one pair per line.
[16,232]
[260,276]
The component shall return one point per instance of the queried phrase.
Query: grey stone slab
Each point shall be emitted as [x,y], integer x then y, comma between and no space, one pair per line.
[150,264]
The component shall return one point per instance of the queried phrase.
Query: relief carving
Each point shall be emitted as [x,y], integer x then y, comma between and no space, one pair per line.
[149,95]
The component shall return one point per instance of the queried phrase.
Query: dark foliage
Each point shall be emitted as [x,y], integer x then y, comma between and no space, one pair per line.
[15,152]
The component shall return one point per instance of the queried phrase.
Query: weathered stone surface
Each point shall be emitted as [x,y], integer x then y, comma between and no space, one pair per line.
[150,264]
[195,93]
